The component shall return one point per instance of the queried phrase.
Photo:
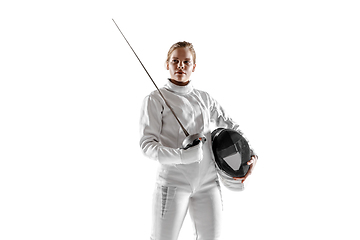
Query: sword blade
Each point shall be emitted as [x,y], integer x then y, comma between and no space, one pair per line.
[182,127]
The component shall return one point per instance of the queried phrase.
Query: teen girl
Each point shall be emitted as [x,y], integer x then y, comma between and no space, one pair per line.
[187,179]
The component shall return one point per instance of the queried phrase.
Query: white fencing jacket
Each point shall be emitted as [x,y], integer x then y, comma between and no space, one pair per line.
[162,136]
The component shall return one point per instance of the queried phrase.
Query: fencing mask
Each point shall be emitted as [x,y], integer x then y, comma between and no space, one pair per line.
[231,153]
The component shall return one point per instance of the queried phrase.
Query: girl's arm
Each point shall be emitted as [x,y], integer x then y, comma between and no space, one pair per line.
[150,129]
[222,120]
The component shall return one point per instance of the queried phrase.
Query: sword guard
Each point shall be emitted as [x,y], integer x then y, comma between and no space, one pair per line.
[193,140]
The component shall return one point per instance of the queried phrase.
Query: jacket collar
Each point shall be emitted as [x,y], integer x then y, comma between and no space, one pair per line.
[179,89]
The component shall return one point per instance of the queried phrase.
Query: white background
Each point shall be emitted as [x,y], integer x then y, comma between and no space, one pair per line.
[70,98]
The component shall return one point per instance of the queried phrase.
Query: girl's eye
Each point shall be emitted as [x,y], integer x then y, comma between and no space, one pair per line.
[186,62]
[174,61]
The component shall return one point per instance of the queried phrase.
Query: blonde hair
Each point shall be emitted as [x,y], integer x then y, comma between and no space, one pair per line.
[182,44]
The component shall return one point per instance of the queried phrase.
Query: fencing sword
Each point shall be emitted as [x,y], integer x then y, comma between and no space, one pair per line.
[190,140]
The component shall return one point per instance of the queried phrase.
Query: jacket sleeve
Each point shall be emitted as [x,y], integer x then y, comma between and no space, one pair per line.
[150,129]
[222,120]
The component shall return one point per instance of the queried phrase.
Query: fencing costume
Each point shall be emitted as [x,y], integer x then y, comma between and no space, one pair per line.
[183,183]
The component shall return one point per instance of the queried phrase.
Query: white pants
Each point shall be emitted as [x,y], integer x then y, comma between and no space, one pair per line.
[170,205]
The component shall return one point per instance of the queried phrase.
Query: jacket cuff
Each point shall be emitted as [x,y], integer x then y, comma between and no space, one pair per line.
[169,156]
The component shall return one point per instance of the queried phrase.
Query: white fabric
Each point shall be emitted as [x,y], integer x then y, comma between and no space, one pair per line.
[192,154]
[161,139]
[171,204]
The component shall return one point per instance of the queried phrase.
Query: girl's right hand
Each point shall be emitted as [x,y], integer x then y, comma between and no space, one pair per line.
[192,154]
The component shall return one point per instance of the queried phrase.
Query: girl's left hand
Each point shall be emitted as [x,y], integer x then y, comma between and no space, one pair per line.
[252,164]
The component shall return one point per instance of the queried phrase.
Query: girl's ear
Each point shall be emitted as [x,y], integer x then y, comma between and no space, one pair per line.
[167,65]
[194,68]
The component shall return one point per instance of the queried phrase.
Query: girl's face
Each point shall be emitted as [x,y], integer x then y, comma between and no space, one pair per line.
[181,65]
